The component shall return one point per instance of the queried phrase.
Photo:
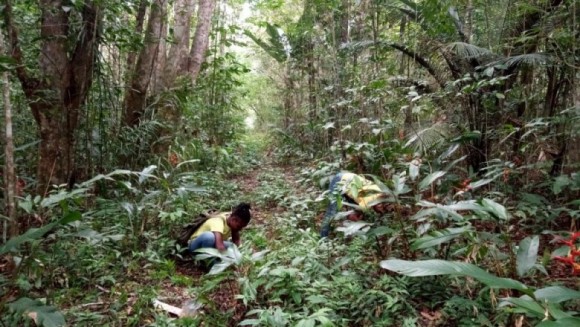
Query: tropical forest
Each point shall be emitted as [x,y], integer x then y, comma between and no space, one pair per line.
[304,163]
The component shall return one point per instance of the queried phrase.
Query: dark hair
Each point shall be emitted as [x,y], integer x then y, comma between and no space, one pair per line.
[242,211]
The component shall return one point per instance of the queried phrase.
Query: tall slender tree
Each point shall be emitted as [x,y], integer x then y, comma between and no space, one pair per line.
[9,169]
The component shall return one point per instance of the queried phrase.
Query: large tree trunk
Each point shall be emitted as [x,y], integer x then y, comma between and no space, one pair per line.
[201,37]
[65,78]
[136,97]
[179,50]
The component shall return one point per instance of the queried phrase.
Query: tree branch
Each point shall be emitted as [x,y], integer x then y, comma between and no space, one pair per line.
[419,60]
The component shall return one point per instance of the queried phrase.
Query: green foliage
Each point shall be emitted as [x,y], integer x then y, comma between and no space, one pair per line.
[541,303]
[43,315]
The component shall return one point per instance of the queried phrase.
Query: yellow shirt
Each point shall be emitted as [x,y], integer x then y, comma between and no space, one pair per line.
[217,223]
[360,189]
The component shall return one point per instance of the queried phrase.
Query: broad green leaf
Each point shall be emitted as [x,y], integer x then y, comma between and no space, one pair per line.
[328,125]
[439,237]
[480,183]
[560,252]
[566,322]
[429,179]
[306,323]
[231,256]
[560,183]
[32,234]
[527,254]
[316,299]
[187,162]
[556,312]
[250,322]
[379,231]
[446,210]
[413,170]
[353,227]
[448,152]
[146,173]
[495,208]
[42,315]
[62,195]
[453,268]
[527,303]
[556,294]
[70,217]
[399,185]
[257,256]
[96,178]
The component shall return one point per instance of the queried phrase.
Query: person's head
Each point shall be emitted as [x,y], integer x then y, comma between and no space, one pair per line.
[355,215]
[381,208]
[240,216]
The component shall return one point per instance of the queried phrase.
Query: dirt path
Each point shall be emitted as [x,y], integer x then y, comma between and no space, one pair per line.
[222,297]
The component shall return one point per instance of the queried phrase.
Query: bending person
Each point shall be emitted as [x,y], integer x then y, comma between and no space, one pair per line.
[215,232]
[355,189]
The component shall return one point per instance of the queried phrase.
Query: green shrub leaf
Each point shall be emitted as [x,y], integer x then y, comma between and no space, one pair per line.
[439,237]
[453,268]
[527,254]
[556,294]
[43,315]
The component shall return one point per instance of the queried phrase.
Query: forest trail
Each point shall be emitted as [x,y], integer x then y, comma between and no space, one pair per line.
[223,297]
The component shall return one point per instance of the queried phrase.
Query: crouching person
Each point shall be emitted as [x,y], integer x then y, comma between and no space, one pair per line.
[217,230]
[354,189]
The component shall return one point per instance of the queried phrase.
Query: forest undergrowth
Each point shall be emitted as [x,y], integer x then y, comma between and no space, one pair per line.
[424,263]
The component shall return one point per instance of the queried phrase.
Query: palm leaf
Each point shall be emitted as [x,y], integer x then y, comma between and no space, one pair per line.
[468,51]
[426,138]
[530,59]
[275,45]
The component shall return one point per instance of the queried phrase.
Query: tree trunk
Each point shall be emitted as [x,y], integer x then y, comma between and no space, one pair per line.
[179,50]
[140,18]
[9,170]
[136,97]
[313,114]
[201,37]
[66,77]
[158,79]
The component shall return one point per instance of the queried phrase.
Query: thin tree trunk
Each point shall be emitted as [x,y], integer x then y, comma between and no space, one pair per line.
[311,83]
[9,169]
[469,21]
[201,37]
[402,29]
[136,97]
[140,18]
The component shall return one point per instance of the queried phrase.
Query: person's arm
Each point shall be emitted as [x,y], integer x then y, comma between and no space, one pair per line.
[219,241]
[236,237]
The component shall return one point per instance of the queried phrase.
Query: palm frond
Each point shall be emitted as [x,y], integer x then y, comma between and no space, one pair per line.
[359,45]
[427,138]
[275,46]
[529,59]
[469,51]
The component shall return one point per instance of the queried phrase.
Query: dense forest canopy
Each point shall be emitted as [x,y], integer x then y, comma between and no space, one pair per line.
[124,120]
